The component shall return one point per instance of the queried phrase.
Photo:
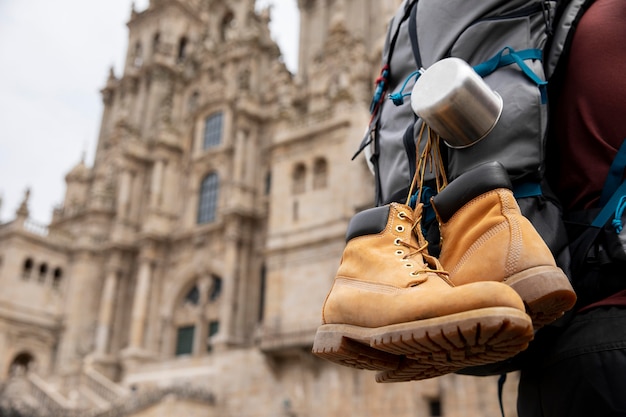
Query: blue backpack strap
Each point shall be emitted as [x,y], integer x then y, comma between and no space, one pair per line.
[612,193]
[615,176]
[527,189]
[381,81]
[502,59]
[398,98]
[611,207]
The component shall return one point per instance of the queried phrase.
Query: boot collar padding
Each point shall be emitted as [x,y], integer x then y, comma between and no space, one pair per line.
[368,222]
[468,186]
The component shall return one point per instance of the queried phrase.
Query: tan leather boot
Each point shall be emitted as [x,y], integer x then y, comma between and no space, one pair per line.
[485,237]
[392,307]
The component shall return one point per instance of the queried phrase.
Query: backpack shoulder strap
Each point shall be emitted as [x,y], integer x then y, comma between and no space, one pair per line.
[614,188]
[568,14]
[413,36]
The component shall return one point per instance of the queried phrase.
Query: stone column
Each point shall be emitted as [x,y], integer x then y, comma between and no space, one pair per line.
[240,159]
[157,180]
[165,199]
[134,197]
[84,281]
[140,304]
[167,332]
[252,154]
[225,335]
[123,195]
[201,333]
[105,317]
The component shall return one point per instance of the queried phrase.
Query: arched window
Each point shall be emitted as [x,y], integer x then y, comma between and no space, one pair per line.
[193,296]
[43,270]
[27,269]
[137,55]
[156,42]
[320,173]
[212,130]
[215,290]
[21,364]
[207,202]
[196,317]
[57,276]
[228,22]
[182,49]
[298,179]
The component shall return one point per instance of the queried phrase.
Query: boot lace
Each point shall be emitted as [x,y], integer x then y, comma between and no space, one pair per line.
[431,264]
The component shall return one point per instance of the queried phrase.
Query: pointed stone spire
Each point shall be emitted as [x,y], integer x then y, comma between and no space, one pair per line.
[22,210]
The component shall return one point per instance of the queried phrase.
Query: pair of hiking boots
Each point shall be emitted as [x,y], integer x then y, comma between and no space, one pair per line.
[395,309]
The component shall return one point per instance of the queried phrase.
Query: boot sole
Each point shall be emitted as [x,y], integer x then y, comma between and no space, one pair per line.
[447,344]
[427,348]
[546,292]
[350,346]
[412,370]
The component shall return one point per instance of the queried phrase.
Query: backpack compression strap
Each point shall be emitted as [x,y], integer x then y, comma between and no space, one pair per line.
[502,59]
[381,82]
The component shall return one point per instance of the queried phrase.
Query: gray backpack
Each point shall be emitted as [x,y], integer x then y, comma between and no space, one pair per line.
[426,31]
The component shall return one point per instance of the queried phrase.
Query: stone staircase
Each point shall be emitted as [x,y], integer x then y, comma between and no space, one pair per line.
[95,395]
[30,395]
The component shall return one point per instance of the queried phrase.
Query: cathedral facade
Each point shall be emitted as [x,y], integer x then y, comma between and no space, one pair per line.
[185,271]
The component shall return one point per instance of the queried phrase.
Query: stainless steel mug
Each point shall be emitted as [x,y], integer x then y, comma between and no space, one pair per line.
[455,102]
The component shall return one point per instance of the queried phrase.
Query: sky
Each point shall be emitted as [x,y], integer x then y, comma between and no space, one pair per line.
[55,57]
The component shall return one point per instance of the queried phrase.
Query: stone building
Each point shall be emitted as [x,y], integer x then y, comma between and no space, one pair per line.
[185,271]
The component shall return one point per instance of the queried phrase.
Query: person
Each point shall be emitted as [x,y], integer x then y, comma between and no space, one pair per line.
[448,272]
[581,368]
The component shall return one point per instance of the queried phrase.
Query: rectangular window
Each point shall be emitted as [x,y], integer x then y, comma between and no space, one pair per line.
[214,327]
[207,202]
[268,183]
[434,407]
[262,285]
[184,340]
[212,131]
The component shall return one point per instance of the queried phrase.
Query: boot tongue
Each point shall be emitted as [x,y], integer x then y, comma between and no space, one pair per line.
[420,241]
[417,229]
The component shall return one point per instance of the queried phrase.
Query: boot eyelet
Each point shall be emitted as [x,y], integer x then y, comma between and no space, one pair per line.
[402,215]
[399,228]
[397,241]
[399,252]
[414,273]
[408,265]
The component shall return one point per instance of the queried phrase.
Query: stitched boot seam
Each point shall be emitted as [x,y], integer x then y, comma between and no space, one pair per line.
[478,243]
[515,245]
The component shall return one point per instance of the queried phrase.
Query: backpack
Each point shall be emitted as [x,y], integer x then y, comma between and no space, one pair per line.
[425,31]
[419,36]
